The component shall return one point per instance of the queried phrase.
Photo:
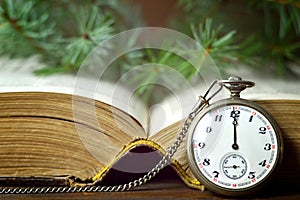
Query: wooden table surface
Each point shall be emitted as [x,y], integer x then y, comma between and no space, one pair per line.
[167,185]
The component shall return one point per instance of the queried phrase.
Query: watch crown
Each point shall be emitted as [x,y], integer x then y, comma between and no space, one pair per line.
[234,78]
[235,85]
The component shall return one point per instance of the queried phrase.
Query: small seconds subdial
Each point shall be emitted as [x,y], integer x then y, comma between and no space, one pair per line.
[234,166]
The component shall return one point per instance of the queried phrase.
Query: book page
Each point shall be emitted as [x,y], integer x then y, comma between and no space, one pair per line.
[17,76]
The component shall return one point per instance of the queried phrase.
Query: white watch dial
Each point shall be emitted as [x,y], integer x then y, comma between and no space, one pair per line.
[234,146]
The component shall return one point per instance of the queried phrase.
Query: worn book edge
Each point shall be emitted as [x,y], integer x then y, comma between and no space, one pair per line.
[189,180]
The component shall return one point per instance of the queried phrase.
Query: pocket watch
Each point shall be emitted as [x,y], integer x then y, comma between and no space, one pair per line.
[234,146]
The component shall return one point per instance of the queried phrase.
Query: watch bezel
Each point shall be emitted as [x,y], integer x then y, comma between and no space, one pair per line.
[209,183]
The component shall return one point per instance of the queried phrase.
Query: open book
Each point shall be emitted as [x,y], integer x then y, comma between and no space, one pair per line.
[50,129]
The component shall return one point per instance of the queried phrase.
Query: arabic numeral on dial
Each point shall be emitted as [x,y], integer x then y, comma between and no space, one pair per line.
[201,145]
[216,174]
[235,113]
[218,118]
[206,162]
[263,163]
[251,175]
[262,130]
[251,118]
[208,129]
[267,147]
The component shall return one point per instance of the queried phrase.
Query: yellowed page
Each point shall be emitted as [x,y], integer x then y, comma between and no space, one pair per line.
[17,76]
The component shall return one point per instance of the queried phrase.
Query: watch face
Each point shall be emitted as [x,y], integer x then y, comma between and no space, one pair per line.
[234,147]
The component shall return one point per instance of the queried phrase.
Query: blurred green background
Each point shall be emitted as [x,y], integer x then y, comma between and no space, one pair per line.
[260,34]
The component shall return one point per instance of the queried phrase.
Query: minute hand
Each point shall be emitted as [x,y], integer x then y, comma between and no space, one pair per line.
[235,146]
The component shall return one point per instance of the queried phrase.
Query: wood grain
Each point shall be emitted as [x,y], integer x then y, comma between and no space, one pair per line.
[166,185]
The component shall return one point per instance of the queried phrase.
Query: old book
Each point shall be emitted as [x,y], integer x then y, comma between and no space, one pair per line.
[50,131]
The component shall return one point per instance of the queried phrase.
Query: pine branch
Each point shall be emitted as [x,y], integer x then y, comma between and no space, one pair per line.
[220,47]
[279,44]
[268,43]
[217,45]
[63,33]
[23,27]
[93,27]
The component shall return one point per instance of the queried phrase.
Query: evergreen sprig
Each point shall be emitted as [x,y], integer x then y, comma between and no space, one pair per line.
[92,29]
[30,27]
[278,42]
[269,45]
[163,64]
[63,33]
[218,45]
[24,25]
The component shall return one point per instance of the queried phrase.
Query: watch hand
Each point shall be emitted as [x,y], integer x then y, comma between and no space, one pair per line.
[234,166]
[235,146]
[235,115]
